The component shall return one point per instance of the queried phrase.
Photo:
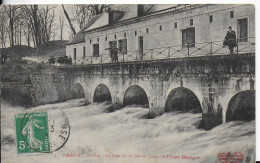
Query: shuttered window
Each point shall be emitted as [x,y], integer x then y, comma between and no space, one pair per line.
[175,25]
[211,18]
[242,29]
[75,53]
[188,37]
[95,50]
[122,46]
[231,14]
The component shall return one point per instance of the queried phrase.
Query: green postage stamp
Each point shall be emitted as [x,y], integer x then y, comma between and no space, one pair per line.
[32,133]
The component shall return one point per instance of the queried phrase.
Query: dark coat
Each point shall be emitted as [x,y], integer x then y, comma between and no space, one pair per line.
[114,54]
[230,39]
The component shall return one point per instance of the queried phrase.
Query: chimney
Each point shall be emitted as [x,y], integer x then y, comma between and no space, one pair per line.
[115,16]
[140,10]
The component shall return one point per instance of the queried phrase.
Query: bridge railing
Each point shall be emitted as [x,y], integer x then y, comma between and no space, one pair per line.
[244,45]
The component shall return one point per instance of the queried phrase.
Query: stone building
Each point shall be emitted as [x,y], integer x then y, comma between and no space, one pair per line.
[144,32]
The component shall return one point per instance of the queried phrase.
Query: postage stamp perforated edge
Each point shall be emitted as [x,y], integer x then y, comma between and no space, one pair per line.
[16,139]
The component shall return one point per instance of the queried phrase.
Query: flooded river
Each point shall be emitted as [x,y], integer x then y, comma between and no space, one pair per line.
[126,136]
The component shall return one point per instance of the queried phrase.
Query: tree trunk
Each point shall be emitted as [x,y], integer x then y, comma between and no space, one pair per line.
[12,32]
[28,35]
[15,39]
[68,18]
[20,34]
[36,26]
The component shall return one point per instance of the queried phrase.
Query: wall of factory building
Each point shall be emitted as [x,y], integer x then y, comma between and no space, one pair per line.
[76,55]
[161,31]
[210,23]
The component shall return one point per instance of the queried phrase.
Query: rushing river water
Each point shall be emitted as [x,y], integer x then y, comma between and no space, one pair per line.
[126,136]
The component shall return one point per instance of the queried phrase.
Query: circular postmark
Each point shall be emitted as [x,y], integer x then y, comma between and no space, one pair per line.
[59,129]
[43,132]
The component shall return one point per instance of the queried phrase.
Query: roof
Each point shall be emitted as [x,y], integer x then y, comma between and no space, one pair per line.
[80,36]
[129,12]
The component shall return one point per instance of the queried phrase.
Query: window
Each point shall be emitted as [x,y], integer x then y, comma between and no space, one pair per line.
[122,46]
[147,30]
[124,34]
[135,33]
[175,25]
[160,27]
[90,41]
[97,39]
[95,50]
[106,38]
[84,52]
[242,29]
[211,18]
[75,53]
[115,36]
[188,37]
[191,22]
[231,14]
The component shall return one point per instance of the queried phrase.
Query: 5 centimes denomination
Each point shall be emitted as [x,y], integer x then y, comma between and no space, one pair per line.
[41,132]
[32,133]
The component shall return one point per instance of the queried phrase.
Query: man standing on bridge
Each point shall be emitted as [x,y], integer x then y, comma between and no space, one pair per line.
[230,40]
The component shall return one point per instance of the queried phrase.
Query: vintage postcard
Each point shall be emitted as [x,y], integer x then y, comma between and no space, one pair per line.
[132,83]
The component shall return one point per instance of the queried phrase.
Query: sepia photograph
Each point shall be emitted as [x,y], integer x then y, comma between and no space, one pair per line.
[127,83]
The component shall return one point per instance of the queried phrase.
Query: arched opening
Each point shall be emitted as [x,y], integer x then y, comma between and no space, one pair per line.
[102,94]
[182,99]
[135,95]
[241,107]
[77,91]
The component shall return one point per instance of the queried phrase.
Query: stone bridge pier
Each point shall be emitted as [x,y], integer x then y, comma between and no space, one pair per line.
[211,85]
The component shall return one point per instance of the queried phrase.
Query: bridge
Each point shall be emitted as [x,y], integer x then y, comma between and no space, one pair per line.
[210,82]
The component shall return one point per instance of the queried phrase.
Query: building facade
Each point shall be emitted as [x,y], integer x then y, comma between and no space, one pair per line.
[144,32]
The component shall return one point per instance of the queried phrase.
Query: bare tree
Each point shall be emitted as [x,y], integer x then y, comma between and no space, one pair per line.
[11,12]
[81,14]
[27,33]
[61,25]
[31,16]
[98,9]
[41,20]
[47,20]
[68,18]
[3,27]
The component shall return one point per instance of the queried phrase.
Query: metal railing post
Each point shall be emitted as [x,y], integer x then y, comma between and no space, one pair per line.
[101,58]
[91,59]
[137,52]
[169,52]
[188,50]
[151,54]
[237,46]
[123,57]
[210,48]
